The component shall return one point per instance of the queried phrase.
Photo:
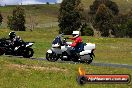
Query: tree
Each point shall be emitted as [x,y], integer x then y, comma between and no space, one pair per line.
[70,16]
[101,14]
[16,22]
[108,3]
[103,19]
[120,30]
[120,25]
[129,30]
[47,3]
[1,18]
[86,30]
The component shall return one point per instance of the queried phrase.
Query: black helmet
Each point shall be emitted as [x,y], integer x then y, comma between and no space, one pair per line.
[12,34]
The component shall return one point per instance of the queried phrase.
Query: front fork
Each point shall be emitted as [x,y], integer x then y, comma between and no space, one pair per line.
[92,54]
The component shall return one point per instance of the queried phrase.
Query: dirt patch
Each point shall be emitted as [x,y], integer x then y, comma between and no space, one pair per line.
[27,67]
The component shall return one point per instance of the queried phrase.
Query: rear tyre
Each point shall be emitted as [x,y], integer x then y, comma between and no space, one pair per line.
[51,57]
[28,53]
[90,61]
[2,51]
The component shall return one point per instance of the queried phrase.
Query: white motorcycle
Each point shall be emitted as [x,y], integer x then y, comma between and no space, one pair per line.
[61,50]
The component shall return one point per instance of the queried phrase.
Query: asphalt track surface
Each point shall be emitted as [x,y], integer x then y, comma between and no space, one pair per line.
[100,64]
[114,65]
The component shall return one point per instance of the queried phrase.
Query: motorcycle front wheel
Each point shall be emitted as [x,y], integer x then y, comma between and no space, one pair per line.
[28,53]
[51,57]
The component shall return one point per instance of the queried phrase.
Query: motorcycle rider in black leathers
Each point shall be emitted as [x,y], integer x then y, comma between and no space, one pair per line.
[15,40]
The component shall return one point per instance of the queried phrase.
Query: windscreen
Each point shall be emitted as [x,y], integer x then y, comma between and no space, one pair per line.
[57,40]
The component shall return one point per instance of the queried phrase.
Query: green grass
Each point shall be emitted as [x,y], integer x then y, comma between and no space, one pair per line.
[24,73]
[112,50]
[38,15]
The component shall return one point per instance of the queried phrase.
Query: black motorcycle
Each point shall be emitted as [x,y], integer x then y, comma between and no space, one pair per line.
[20,48]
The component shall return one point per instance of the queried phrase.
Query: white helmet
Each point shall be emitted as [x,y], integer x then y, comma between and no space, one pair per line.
[75,34]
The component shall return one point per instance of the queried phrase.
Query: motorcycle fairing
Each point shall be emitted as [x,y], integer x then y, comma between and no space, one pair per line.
[29,44]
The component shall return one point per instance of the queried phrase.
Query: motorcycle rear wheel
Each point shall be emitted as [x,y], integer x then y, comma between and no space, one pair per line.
[89,61]
[2,51]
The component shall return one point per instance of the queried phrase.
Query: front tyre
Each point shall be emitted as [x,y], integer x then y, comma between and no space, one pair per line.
[28,53]
[51,57]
